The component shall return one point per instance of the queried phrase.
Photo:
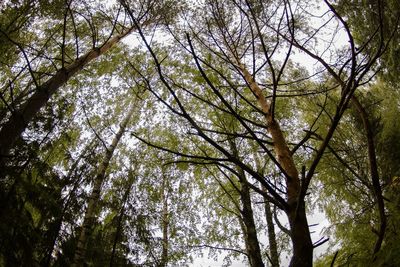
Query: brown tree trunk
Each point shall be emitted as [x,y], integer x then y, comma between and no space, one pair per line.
[300,234]
[246,242]
[90,214]
[374,173]
[21,117]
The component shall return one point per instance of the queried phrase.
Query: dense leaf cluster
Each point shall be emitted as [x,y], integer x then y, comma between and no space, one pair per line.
[159,133]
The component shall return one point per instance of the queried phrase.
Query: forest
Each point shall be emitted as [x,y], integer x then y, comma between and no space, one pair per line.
[158,133]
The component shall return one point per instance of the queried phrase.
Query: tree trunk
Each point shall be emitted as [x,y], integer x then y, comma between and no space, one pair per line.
[246,241]
[300,234]
[119,223]
[377,190]
[247,217]
[65,204]
[21,117]
[253,246]
[90,214]
[273,248]
[164,222]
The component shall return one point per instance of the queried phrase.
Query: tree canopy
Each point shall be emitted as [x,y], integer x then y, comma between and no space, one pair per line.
[158,133]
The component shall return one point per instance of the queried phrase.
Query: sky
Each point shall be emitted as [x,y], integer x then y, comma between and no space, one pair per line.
[340,40]
[316,218]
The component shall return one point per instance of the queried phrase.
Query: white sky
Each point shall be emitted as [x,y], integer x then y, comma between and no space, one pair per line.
[316,218]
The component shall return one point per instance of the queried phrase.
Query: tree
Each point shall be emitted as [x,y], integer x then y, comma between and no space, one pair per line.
[90,214]
[237,46]
[72,61]
[381,16]
[234,140]
[358,201]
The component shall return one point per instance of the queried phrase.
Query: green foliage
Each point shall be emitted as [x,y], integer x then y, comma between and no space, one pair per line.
[348,201]
[364,18]
[30,208]
[176,169]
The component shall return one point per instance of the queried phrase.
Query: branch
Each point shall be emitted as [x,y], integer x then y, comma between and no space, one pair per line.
[334,259]
[320,242]
[221,248]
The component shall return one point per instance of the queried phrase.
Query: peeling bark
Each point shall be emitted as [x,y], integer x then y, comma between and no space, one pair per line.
[300,234]
[281,148]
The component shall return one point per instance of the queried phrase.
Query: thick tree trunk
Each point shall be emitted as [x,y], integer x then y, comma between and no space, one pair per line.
[300,234]
[21,117]
[374,173]
[90,214]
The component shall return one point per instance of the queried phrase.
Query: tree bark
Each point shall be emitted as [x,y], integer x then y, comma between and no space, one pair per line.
[22,116]
[247,217]
[273,247]
[253,245]
[246,242]
[90,214]
[300,234]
